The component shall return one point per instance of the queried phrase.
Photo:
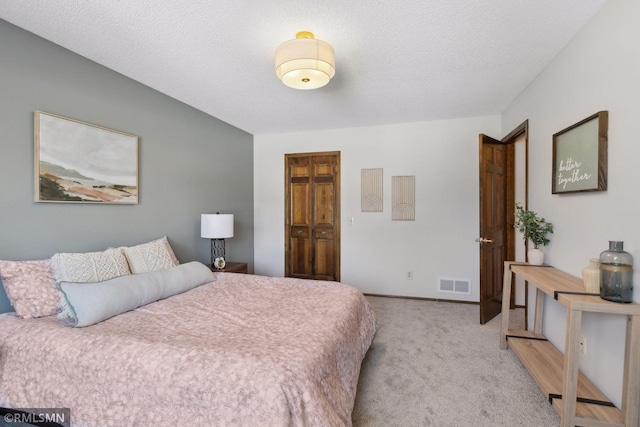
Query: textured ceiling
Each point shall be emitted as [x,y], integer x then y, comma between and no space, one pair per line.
[396,61]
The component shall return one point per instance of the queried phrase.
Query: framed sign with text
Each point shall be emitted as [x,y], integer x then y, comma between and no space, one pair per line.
[580,156]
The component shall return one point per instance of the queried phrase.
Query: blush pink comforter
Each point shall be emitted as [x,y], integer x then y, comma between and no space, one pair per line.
[243,350]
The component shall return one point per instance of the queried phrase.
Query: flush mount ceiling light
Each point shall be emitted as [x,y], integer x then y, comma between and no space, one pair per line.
[304,62]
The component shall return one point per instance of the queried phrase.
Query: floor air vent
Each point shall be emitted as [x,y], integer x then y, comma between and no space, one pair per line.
[454,286]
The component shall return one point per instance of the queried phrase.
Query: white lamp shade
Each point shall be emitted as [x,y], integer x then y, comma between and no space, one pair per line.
[305,63]
[216,226]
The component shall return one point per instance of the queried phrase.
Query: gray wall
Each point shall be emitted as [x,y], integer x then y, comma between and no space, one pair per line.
[189,162]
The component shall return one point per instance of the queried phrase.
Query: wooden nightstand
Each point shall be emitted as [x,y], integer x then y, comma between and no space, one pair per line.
[233,267]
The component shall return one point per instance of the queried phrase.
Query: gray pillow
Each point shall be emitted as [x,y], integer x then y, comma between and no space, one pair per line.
[84,304]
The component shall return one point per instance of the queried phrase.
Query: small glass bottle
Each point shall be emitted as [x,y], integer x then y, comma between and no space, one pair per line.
[616,274]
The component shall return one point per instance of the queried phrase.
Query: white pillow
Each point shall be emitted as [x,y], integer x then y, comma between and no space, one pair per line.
[90,266]
[153,256]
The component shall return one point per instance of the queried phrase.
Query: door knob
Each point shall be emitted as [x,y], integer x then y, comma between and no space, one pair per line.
[483,240]
[299,231]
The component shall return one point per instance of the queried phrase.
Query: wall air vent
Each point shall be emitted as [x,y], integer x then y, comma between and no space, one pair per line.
[454,286]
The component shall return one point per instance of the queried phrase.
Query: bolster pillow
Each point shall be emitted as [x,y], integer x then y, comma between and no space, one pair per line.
[84,304]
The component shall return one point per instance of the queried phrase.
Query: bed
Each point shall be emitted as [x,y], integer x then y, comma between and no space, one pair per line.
[240,350]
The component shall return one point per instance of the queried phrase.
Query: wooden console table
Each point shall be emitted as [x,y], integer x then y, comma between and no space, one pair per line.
[575,398]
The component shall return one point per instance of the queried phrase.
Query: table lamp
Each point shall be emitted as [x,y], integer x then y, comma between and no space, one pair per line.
[217,227]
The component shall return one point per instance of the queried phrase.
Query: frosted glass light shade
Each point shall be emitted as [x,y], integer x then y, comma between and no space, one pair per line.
[216,226]
[304,62]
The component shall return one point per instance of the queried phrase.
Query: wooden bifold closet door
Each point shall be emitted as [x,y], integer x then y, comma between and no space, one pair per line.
[312,218]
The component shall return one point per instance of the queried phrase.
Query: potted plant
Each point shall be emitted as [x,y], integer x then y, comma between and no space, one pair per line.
[535,229]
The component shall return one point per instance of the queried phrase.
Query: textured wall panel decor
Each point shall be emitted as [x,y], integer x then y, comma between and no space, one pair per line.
[371,180]
[403,198]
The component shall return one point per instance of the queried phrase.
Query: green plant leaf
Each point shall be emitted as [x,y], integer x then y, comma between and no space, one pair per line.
[532,226]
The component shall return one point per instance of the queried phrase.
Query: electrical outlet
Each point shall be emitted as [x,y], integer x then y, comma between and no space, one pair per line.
[583,344]
[409,275]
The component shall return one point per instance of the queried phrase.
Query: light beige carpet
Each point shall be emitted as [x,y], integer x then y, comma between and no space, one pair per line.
[433,364]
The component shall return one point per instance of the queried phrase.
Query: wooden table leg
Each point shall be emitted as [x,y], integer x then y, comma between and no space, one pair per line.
[506,304]
[571,358]
[631,378]
[539,312]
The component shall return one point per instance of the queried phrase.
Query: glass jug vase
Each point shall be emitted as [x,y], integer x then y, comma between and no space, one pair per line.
[616,274]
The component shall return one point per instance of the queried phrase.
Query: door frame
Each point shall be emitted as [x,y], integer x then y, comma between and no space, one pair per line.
[512,138]
[509,231]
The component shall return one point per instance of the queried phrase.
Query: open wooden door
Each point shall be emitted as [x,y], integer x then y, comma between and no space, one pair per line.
[493,197]
[504,181]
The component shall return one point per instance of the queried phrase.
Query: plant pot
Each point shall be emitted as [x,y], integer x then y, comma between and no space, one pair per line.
[536,257]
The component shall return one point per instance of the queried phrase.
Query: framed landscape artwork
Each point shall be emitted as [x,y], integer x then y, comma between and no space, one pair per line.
[580,156]
[77,162]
